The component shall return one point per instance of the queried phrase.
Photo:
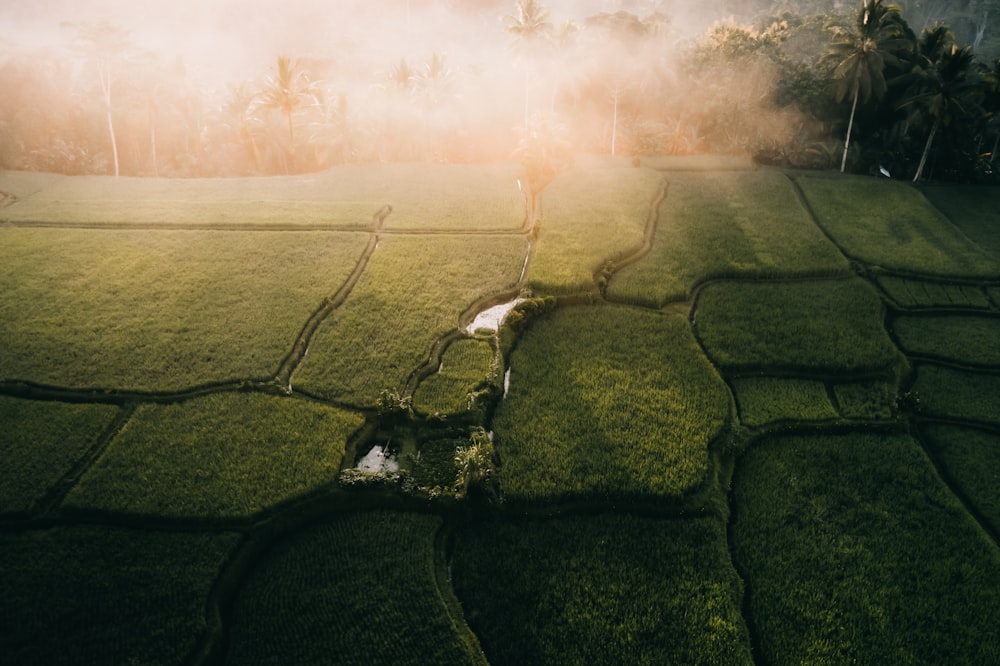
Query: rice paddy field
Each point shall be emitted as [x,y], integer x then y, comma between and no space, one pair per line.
[734,416]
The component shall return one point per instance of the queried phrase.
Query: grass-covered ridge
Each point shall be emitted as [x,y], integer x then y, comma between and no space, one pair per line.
[608,401]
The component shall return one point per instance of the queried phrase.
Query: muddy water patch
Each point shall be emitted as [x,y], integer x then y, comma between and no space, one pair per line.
[490,319]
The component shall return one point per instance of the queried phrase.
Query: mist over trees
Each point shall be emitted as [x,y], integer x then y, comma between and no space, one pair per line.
[260,88]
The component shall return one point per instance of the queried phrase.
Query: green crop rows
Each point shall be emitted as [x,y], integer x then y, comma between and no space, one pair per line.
[360,589]
[645,405]
[857,552]
[739,416]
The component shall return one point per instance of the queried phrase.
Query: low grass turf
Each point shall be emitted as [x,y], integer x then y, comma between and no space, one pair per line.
[971,459]
[160,311]
[726,224]
[413,291]
[908,293]
[104,595]
[360,589]
[764,400]
[972,209]
[943,391]
[602,589]
[421,196]
[823,325]
[40,442]
[891,224]
[608,401]
[224,455]
[965,339]
[854,551]
[465,367]
[590,216]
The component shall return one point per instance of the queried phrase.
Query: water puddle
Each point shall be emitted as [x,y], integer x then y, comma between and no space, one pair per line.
[376,461]
[491,318]
[506,383]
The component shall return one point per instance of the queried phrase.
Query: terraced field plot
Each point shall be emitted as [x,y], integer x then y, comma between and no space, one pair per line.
[757,420]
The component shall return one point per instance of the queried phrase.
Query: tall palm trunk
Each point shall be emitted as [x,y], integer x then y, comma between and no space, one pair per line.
[927,149]
[850,127]
[105,75]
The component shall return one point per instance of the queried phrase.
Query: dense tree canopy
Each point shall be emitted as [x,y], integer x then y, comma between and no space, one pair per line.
[909,90]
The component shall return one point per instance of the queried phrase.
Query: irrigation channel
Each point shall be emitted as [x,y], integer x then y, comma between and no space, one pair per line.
[369,449]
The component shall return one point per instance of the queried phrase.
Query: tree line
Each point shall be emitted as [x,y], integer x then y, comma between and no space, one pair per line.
[820,84]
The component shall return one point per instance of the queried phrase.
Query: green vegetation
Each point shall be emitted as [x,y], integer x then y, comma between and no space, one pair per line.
[966,339]
[162,310]
[225,455]
[763,400]
[105,595]
[923,294]
[608,400]
[412,291]
[971,459]
[359,589]
[830,325]
[421,196]
[466,366]
[904,231]
[41,442]
[589,217]
[726,224]
[854,551]
[964,395]
[602,589]
[873,399]
[973,210]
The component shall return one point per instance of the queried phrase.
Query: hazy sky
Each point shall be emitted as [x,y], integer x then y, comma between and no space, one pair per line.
[236,39]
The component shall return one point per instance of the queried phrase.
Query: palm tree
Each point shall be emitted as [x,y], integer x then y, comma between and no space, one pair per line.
[105,45]
[531,28]
[862,52]
[287,92]
[946,84]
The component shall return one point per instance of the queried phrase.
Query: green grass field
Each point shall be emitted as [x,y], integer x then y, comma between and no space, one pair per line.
[602,589]
[106,595]
[767,435]
[162,310]
[716,225]
[856,551]
[608,401]
[225,455]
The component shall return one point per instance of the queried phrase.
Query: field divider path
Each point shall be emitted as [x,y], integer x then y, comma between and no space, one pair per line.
[604,272]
